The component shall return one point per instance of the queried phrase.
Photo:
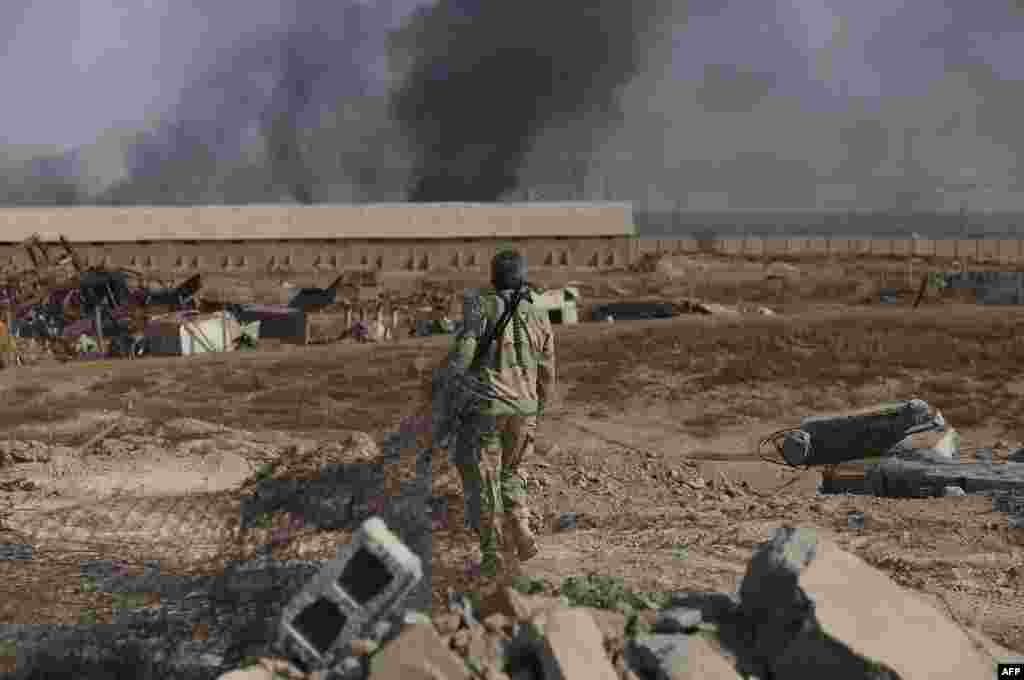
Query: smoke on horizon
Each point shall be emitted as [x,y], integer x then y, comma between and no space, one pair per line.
[701,105]
[486,77]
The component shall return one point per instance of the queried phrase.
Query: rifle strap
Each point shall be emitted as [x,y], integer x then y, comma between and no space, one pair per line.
[496,330]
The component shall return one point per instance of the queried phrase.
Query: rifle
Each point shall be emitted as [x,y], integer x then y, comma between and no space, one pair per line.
[462,392]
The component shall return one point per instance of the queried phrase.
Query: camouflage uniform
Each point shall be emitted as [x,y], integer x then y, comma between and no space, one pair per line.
[7,346]
[494,441]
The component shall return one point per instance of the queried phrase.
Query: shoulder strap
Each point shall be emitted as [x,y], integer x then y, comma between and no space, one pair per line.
[496,330]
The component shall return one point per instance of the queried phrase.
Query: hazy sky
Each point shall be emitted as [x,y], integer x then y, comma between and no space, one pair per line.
[749,103]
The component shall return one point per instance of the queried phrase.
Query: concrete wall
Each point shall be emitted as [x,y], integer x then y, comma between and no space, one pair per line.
[972,250]
[84,224]
[418,255]
[325,257]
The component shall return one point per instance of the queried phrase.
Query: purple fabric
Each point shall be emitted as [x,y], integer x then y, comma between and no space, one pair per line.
[80,327]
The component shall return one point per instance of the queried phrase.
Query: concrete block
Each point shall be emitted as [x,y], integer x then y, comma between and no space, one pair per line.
[678,620]
[662,657]
[753,246]
[892,625]
[797,247]
[647,246]
[860,246]
[966,249]
[1008,250]
[817,246]
[573,647]
[988,250]
[417,654]
[686,246]
[706,662]
[924,247]
[368,578]
[881,247]
[732,246]
[515,605]
[945,248]
[839,247]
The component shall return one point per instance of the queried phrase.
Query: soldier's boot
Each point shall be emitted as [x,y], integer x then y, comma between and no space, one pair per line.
[519,534]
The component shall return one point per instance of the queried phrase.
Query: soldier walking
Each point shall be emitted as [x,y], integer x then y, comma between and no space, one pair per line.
[509,345]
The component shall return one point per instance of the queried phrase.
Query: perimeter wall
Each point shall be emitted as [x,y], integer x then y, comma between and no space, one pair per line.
[966,250]
[322,240]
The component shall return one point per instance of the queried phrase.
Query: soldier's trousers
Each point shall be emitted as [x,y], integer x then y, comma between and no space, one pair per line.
[492,475]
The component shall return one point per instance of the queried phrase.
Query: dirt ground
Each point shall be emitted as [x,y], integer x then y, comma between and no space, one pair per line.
[653,448]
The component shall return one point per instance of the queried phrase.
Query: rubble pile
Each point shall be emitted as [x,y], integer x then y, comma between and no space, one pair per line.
[799,612]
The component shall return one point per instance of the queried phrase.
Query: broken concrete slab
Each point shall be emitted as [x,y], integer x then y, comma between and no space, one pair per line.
[573,647]
[516,605]
[836,439]
[771,603]
[902,478]
[892,625]
[658,656]
[417,654]
[678,620]
[705,661]
[1008,502]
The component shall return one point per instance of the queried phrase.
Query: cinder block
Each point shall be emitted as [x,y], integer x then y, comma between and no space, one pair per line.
[366,580]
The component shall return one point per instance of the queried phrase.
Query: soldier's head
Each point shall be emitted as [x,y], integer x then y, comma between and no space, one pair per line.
[508,270]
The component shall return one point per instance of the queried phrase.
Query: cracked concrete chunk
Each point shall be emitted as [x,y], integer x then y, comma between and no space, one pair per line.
[677,620]
[875,617]
[417,654]
[659,657]
[573,647]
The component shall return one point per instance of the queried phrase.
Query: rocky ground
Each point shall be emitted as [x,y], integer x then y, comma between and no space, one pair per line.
[647,474]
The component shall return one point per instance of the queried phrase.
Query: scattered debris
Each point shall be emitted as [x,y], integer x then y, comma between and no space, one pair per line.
[633,311]
[870,433]
[66,310]
[191,332]
[799,611]
[561,304]
[855,519]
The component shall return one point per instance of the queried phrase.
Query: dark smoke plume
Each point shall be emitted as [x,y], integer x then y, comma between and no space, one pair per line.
[486,77]
[284,145]
[269,120]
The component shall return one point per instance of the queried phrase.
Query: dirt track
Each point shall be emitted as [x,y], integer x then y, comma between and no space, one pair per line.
[653,449]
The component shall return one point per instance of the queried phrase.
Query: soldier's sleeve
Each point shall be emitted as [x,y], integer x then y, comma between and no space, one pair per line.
[546,379]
